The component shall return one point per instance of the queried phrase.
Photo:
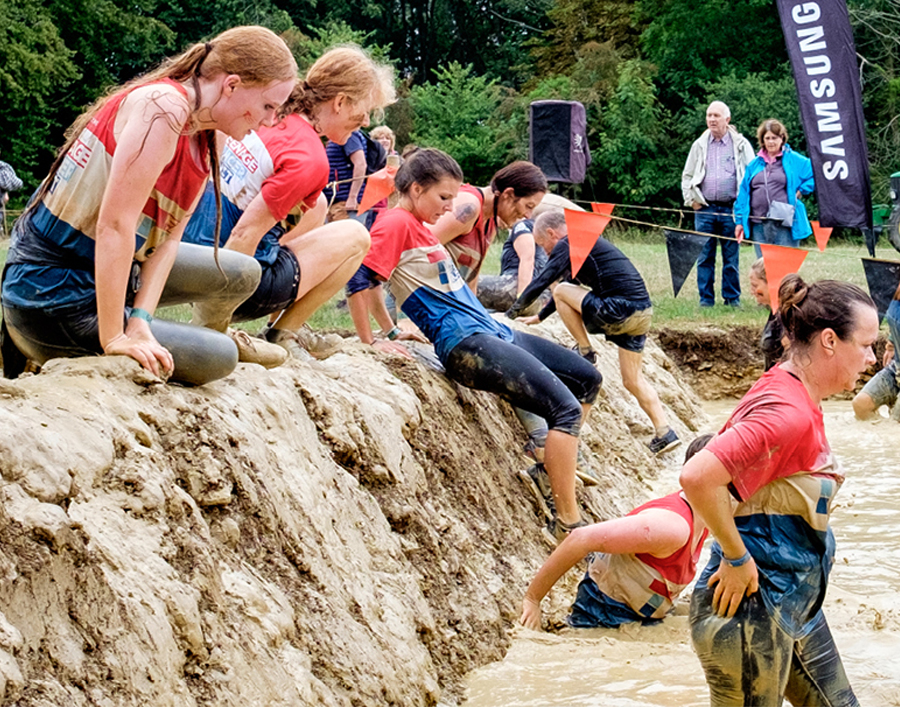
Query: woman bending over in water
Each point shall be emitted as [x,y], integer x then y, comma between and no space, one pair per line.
[642,563]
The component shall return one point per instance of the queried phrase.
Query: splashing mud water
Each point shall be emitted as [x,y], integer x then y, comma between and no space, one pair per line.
[655,665]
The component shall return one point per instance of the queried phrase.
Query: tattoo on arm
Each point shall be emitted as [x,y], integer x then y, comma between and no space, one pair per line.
[464,212]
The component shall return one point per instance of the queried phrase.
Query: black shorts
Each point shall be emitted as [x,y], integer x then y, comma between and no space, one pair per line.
[277,288]
[622,321]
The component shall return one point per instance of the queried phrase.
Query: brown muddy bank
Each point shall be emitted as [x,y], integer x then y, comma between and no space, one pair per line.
[349,532]
[723,362]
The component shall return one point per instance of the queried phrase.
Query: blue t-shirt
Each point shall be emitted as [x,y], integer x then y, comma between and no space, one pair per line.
[426,284]
[340,167]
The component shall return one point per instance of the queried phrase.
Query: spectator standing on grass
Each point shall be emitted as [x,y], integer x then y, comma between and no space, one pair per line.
[709,183]
[772,186]
[8,182]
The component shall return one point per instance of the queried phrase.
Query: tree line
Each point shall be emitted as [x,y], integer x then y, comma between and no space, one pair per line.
[645,70]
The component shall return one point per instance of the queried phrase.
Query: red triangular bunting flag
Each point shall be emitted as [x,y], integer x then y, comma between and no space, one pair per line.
[882,276]
[584,229]
[822,234]
[605,209]
[780,261]
[379,185]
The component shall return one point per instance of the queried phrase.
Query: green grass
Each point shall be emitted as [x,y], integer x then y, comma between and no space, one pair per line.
[647,250]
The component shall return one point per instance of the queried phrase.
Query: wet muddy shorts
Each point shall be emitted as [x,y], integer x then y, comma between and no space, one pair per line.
[620,320]
[363,279]
[277,288]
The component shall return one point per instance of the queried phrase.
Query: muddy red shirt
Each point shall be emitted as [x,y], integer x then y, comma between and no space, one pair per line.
[648,584]
[775,431]
[784,475]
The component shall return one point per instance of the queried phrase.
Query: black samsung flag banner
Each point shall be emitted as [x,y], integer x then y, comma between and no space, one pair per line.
[683,250]
[883,277]
[823,57]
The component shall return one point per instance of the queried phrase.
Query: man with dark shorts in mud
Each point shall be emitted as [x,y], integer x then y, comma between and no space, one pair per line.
[617,305]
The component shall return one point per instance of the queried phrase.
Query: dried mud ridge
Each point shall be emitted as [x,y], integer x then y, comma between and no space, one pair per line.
[346,532]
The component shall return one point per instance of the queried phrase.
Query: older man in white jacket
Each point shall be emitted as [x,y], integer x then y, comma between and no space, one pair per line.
[709,183]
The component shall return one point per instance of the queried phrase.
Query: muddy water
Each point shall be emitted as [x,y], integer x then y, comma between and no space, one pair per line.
[655,665]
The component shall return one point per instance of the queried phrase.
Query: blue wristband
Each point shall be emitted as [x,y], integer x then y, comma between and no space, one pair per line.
[739,562]
[138,313]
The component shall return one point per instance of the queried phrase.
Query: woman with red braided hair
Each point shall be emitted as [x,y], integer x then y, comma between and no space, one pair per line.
[91,255]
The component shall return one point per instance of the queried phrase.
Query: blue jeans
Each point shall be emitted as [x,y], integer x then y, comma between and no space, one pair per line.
[720,221]
[770,232]
[749,660]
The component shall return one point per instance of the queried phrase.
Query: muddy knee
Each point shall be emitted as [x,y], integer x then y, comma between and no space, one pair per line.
[201,355]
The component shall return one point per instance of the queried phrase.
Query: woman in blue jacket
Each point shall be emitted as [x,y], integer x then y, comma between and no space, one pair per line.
[777,174]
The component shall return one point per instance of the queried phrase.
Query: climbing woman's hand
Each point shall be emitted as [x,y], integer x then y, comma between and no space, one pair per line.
[139,343]
[531,614]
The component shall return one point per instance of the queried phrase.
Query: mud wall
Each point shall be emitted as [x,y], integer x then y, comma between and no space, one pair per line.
[348,532]
[724,363]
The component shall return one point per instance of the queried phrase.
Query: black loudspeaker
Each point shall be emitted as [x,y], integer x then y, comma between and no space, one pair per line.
[558,142]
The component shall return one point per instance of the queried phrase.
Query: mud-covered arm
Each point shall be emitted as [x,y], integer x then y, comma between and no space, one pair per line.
[656,531]
[705,481]
[556,269]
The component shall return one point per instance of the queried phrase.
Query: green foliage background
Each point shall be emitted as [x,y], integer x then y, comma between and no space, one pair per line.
[468,69]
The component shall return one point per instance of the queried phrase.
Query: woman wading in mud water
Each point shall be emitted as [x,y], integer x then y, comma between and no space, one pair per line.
[756,613]
[476,350]
[91,255]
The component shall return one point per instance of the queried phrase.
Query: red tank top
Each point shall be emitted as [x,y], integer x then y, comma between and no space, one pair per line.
[77,191]
[469,249]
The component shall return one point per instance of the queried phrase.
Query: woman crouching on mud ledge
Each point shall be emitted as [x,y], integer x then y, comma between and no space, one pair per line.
[92,253]
[476,350]
[756,613]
